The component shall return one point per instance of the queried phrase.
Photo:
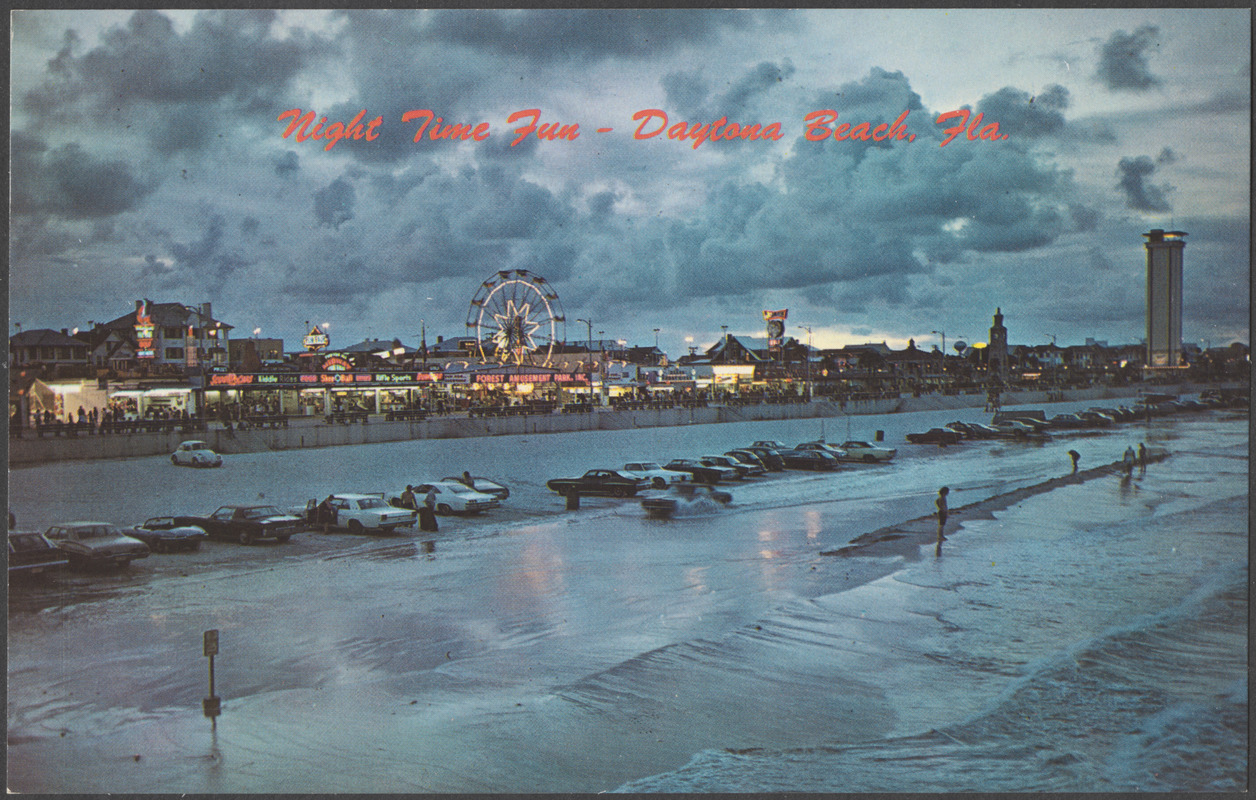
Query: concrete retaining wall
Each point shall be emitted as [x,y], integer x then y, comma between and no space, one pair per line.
[32,450]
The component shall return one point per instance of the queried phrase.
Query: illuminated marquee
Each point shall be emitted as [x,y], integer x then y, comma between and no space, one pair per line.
[316,339]
[776,327]
[144,333]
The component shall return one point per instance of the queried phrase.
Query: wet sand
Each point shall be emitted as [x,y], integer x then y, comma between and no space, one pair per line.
[906,538]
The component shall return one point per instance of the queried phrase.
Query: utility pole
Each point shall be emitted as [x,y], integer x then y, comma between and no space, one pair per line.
[807,328]
[589,350]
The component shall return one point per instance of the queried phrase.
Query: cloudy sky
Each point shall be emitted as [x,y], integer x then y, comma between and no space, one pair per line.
[148,160]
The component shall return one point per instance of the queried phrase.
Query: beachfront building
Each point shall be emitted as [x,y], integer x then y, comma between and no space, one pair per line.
[1164,297]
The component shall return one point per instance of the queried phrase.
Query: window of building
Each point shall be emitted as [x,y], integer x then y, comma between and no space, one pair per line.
[174,353]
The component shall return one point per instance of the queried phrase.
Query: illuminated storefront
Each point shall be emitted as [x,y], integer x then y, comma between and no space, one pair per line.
[339,388]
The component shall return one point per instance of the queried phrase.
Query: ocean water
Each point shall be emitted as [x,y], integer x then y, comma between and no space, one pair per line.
[1091,638]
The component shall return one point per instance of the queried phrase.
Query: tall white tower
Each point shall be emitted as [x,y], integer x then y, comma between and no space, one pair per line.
[1164,297]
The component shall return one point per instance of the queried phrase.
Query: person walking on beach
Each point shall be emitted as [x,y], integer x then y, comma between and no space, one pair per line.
[1142,458]
[1127,462]
[1074,456]
[942,510]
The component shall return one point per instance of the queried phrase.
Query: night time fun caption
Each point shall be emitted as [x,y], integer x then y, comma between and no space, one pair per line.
[651,123]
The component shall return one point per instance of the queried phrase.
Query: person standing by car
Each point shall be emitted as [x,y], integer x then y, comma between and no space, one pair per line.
[326,514]
[407,498]
[427,513]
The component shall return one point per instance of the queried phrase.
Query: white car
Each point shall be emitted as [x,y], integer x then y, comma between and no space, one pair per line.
[480,484]
[369,512]
[454,497]
[195,454]
[866,451]
[832,450]
[655,474]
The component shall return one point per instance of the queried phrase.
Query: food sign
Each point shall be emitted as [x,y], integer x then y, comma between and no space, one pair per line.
[144,333]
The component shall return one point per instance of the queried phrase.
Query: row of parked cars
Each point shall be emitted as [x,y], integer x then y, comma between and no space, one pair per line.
[1036,425]
[103,544]
[734,465]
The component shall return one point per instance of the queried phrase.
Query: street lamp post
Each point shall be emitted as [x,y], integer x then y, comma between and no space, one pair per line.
[807,328]
[589,350]
[943,335]
[1055,376]
[601,367]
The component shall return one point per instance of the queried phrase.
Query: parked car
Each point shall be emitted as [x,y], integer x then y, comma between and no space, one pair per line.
[1096,419]
[1018,429]
[770,457]
[162,535]
[769,443]
[832,450]
[934,436]
[455,497]
[701,472]
[96,544]
[247,524]
[817,460]
[359,513]
[1067,422]
[743,470]
[195,454]
[742,454]
[598,481]
[687,496]
[31,553]
[865,451]
[656,475]
[482,485]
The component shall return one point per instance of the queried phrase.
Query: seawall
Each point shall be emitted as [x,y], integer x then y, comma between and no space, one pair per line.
[303,433]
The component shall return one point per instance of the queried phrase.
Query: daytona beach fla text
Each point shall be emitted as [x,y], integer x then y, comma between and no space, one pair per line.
[651,122]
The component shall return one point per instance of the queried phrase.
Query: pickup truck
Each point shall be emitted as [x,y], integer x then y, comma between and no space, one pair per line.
[597,481]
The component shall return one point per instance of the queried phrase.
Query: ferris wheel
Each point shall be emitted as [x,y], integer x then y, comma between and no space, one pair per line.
[516,318]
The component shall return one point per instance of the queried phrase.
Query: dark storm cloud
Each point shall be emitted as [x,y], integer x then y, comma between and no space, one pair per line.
[849,212]
[1139,194]
[210,260]
[456,64]
[225,55]
[333,204]
[287,163]
[70,182]
[1167,156]
[564,35]
[1022,114]
[1122,63]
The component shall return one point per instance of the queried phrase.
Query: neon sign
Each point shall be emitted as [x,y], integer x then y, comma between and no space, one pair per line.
[144,333]
[316,339]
